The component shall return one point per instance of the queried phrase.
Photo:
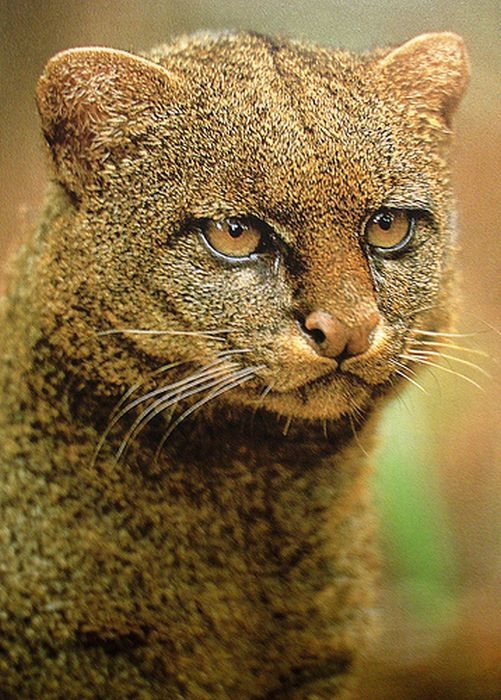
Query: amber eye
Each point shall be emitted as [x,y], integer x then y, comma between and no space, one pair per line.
[234,238]
[390,230]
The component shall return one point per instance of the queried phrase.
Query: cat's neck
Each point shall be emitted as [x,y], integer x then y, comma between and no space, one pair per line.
[241,442]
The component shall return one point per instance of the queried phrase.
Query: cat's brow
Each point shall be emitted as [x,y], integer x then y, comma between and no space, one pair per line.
[414,199]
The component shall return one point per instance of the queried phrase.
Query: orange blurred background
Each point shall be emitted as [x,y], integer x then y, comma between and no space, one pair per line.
[450,648]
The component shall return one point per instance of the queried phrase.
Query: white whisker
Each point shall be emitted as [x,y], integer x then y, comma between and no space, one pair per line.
[172,394]
[453,346]
[117,414]
[262,396]
[325,429]
[260,401]
[420,310]
[130,392]
[182,383]
[235,351]
[489,326]
[355,434]
[224,385]
[423,361]
[443,334]
[287,426]
[467,363]
[144,331]
[405,372]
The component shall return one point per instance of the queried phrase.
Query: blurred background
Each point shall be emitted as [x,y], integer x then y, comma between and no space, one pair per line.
[438,479]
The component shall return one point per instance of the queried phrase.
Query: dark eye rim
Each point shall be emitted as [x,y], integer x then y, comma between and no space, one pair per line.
[267,245]
[403,246]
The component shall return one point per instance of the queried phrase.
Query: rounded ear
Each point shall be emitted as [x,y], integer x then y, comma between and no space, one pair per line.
[431,71]
[92,100]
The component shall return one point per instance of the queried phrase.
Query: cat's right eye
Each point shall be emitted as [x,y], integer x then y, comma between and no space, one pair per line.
[235,238]
[390,231]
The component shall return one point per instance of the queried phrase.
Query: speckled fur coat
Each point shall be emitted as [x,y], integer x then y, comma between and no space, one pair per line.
[244,242]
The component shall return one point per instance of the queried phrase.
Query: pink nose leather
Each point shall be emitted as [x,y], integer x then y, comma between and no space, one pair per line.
[333,338]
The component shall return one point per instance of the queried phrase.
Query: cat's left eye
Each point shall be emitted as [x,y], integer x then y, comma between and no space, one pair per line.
[390,231]
[235,238]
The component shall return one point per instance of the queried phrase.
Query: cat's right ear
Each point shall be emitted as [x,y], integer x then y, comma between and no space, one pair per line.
[430,72]
[92,101]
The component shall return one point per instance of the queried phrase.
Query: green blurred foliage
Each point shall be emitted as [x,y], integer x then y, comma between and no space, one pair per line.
[414,516]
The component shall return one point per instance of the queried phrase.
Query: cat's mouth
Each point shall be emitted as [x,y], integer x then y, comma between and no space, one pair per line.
[328,396]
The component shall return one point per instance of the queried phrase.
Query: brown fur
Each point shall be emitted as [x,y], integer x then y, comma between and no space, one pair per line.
[237,561]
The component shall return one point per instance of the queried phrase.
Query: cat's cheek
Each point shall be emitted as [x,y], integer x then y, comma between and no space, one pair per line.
[405,284]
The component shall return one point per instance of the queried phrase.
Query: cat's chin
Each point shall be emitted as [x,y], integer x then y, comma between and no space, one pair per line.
[328,399]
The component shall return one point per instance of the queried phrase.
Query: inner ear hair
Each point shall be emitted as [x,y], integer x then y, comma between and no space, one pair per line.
[88,103]
[431,70]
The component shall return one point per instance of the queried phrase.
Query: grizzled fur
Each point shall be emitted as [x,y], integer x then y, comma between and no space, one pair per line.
[214,539]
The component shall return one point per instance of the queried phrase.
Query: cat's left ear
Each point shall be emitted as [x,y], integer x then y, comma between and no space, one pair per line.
[95,102]
[430,71]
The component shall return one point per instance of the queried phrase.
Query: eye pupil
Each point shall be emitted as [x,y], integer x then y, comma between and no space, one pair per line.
[235,229]
[385,221]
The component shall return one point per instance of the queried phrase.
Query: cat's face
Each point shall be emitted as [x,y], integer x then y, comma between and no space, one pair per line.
[283,213]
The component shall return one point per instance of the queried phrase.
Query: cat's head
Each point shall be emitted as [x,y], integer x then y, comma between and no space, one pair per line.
[273,220]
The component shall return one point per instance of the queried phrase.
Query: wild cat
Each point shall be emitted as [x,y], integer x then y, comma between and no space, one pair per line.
[245,251]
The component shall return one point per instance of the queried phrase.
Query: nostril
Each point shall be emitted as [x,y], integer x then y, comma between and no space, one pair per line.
[328,333]
[333,338]
[315,334]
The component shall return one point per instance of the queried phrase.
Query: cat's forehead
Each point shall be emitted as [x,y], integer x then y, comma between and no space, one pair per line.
[259,71]
[287,126]
[258,124]
[244,52]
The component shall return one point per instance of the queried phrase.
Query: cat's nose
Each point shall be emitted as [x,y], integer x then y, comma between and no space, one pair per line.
[335,339]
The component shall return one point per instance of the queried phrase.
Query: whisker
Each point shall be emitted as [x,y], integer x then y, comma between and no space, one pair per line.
[489,326]
[467,363]
[262,396]
[144,331]
[443,334]
[405,372]
[287,426]
[172,394]
[423,361]
[260,401]
[355,434]
[117,414]
[120,411]
[325,429]
[130,392]
[422,309]
[234,351]
[454,346]
[224,385]
[401,398]
[412,381]
[403,366]
[182,382]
